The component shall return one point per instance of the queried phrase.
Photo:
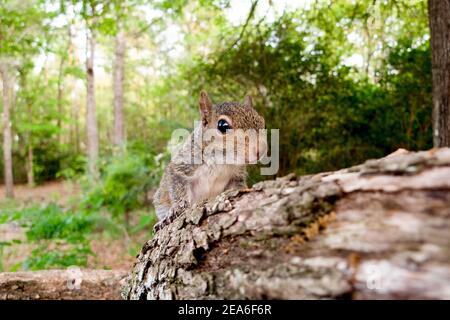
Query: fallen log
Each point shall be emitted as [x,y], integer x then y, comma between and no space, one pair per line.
[70,284]
[380,230]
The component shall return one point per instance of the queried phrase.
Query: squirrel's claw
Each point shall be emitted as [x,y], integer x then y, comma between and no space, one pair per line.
[158,226]
[174,212]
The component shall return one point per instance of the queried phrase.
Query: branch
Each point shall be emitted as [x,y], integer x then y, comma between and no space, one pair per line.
[61,284]
[247,21]
[377,230]
[244,27]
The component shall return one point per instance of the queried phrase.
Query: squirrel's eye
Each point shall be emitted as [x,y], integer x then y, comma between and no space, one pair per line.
[223,126]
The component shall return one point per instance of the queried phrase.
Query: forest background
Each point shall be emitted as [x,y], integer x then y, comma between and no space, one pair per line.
[92,90]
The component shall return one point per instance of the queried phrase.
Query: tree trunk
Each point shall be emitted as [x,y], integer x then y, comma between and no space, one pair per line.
[380,230]
[439,16]
[7,137]
[118,137]
[28,134]
[59,98]
[77,127]
[70,284]
[91,117]
[30,173]
[60,84]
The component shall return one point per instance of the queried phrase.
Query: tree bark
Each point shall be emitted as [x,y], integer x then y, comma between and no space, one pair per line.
[439,19]
[7,137]
[60,83]
[70,284]
[28,134]
[380,230]
[118,137]
[59,98]
[29,164]
[91,116]
[76,118]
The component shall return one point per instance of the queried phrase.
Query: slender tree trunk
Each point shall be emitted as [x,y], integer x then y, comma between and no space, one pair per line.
[76,117]
[62,63]
[29,162]
[75,128]
[30,174]
[75,110]
[7,137]
[59,98]
[439,16]
[26,143]
[118,137]
[91,117]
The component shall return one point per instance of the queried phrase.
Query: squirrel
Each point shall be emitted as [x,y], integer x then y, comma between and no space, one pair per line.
[196,171]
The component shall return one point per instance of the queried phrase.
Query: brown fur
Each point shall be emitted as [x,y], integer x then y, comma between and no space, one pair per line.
[182,185]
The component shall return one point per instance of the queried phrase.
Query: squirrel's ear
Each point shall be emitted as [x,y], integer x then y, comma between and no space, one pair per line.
[248,101]
[205,107]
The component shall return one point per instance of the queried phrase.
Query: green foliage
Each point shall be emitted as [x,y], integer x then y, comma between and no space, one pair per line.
[330,115]
[60,236]
[146,222]
[72,166]
[407,80]
[52,222]
[20,27]
[46,257]
[124,184]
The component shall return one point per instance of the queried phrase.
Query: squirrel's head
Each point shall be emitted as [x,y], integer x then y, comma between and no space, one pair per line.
[233,128]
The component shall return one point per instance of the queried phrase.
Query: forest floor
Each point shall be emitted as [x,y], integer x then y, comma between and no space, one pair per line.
[109,252]
[57,191]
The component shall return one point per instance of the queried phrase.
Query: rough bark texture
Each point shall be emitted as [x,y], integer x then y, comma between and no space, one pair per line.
[118,88]
[439,17]
[377,230]
[61,285]
[7,137]
[91,116]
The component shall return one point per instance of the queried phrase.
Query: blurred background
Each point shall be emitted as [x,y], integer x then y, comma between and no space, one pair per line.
[91,91]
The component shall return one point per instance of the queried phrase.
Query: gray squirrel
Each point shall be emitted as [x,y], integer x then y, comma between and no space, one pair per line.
[197,171]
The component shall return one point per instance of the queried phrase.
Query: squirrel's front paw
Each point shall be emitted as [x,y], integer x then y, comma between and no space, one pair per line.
[174,212]
[158,226]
